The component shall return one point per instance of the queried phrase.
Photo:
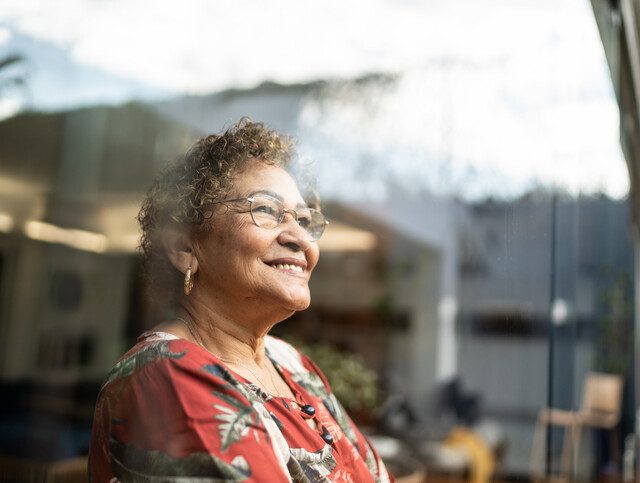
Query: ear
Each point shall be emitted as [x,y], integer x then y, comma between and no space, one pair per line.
[179,249]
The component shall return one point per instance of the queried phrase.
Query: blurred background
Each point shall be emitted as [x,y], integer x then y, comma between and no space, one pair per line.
[479,161]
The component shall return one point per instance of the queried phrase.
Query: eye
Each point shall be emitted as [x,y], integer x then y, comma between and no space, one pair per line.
[264,207]
[305,217]
[304,220]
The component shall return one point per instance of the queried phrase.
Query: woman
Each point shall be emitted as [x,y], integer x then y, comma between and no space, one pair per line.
[230,241]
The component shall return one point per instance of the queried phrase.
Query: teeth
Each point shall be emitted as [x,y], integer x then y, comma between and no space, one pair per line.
[286,266]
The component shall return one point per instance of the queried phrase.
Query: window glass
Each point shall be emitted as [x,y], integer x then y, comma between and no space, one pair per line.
[477,267]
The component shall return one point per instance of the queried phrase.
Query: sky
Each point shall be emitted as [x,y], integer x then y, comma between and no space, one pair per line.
[487,97]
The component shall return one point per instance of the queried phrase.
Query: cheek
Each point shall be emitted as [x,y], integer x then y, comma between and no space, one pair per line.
[250,250]
[313,255]
[239,238]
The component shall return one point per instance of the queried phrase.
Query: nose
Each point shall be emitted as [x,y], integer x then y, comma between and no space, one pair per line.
[292,212]
[293,235]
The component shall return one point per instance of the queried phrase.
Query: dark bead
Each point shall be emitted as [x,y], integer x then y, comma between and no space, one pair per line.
[308,409]
[327,437]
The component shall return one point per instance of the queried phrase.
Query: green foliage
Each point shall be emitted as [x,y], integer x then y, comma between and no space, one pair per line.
[614,350]
[352,382]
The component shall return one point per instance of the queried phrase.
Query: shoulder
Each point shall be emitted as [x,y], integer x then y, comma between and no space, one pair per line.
[149,351]
[162,388]
[170,406]
[169,366]
[162,357]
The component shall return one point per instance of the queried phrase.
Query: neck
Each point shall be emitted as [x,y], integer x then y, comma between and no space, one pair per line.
[223,334]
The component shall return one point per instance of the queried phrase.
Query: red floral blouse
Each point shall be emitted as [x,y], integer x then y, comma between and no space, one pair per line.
[170,411]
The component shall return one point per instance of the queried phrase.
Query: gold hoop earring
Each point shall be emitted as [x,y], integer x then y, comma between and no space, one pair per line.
[188,282]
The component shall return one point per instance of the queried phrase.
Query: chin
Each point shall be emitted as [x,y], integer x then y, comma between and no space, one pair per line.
[287,310]
[287,299]
[304,306]
[297,304]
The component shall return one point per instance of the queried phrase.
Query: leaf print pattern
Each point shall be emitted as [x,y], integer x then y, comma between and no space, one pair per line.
[370,459]
[323,457]
[232,383]
[277,421]
[312,467]
[340,415]
[285,354]
[290,358]
[235,422]
[296,473]
[329,423]
[136,465]
[154,351]
[189,418]
[343,477]
[313,384]
[275,437]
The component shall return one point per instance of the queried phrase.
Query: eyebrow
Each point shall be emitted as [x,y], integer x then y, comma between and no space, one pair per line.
[275,195]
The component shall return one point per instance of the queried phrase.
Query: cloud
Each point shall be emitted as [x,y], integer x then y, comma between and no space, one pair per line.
[485,91]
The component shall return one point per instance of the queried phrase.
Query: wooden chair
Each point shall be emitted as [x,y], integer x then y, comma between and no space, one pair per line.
[601,408]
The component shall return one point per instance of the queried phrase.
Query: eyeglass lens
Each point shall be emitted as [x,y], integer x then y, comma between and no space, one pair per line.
[269,212]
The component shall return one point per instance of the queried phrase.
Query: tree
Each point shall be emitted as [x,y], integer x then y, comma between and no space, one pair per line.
[9,79]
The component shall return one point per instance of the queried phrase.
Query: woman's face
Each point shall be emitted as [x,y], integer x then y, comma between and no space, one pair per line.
[238,261]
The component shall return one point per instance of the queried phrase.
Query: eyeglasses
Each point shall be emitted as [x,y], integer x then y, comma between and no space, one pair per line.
[268,212]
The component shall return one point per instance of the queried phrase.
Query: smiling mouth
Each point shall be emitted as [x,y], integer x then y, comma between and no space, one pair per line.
[287,267]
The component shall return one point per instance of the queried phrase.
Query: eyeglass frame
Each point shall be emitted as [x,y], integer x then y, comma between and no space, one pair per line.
[293,212]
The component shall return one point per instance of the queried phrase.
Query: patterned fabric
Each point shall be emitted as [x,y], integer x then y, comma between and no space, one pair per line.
[169,411]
